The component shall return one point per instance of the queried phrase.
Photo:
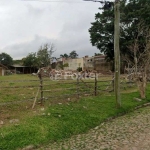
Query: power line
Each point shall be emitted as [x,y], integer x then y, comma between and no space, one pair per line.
[51,1]
[95,1]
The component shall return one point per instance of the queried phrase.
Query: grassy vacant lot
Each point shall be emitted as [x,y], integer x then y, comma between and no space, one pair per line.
[58,118]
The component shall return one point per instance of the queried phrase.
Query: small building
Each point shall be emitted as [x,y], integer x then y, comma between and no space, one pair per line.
[19,69]
[73,64]
[2,69]
[101,65]
[88,63]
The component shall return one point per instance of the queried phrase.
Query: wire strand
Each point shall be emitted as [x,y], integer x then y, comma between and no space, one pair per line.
[51,1]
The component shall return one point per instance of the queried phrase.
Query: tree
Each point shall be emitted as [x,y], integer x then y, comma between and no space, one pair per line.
[73,54]
[31,60]
[18,61]
[98,54]
[44,55]
[140,51]
[102,30]
[6,59]
[62,66]
[64,55]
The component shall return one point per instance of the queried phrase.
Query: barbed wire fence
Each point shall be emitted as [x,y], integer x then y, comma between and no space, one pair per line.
[45,89]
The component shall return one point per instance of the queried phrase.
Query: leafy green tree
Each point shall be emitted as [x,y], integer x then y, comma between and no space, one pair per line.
[97,54]
[102,30]
[6,59]
[44,55]
[73,54]
[133,14]
[65,65]
[18,61]
[79,69]
[64,55]
[30,60]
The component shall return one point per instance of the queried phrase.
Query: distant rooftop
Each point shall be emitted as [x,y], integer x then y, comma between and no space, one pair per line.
[18,66]
[1,65]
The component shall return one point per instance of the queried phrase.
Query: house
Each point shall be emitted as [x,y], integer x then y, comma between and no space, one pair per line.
[101,65]
[73,64]
[88,63]
[19,69]
[2,69]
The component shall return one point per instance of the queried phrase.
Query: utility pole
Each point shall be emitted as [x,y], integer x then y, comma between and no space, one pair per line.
[117,52]
[108,5]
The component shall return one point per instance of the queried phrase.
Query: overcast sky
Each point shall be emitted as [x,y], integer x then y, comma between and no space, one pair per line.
[25,25]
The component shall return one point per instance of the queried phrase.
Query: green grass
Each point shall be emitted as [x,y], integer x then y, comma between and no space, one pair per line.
[64,120]
[58,121]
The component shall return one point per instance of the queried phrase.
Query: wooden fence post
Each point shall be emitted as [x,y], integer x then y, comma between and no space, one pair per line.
[41,88]
[113,79]
[95,88]
[77,85]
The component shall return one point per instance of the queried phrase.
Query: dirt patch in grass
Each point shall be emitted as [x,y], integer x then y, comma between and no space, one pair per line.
[23,111]
[17,111]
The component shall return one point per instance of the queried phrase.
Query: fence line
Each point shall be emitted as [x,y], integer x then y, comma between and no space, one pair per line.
[53,84]
[16,102]
[81,88]
[18,81]
[10,87]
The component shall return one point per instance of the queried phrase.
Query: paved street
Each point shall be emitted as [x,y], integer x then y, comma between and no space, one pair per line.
[129,132]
